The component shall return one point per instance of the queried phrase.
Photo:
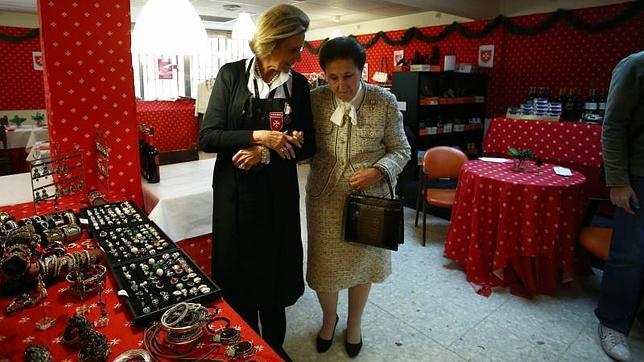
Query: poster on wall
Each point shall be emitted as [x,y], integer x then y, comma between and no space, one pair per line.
[37,59]
[165,68]
[486,56]
[398,56]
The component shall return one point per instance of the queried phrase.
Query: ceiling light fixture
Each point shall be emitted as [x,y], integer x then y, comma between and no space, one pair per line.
[336,19]
[244,27]
[169,27]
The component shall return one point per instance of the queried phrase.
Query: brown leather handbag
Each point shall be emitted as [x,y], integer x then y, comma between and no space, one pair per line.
[374,221]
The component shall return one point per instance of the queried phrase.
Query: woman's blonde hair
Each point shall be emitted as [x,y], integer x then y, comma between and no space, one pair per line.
[279,22]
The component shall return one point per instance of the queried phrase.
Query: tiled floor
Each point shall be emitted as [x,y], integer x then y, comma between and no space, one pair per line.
[426,311]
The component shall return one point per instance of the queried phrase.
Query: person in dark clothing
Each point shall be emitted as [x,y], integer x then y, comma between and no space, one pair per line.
[623,153]
[259,122]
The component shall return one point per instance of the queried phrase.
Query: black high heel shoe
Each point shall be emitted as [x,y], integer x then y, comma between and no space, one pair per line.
[323,345]
[353,349]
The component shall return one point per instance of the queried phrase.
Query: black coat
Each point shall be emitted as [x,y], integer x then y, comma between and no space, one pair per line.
[257,245]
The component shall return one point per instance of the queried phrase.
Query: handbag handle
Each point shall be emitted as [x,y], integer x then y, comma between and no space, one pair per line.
[391,189]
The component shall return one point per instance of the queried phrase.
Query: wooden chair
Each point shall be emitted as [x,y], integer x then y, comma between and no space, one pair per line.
[438,163]
[5,159]
[176,156]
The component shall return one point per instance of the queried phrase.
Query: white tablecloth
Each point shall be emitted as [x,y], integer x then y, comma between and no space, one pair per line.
[39,151]
[26,136]
[15,189]
[181,203]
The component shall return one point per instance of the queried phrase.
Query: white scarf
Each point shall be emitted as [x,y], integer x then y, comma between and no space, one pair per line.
[348,108]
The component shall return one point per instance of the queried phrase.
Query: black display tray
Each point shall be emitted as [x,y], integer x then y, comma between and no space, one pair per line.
[114,220]
[145,240]
[135,299]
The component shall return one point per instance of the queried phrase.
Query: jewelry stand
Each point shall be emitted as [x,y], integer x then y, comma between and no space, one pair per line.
[46,322]
[103,159]
[104,318]
[57,176]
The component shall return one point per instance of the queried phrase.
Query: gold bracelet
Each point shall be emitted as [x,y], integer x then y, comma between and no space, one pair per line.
[266,155]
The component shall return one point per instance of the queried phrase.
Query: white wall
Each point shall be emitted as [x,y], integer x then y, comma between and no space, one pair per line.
[527,7]
[18,20]
[430,18]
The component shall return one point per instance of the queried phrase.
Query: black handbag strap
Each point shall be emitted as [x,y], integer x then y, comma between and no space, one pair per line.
[391,189]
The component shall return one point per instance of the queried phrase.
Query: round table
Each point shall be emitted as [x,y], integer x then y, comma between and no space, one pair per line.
[515,229]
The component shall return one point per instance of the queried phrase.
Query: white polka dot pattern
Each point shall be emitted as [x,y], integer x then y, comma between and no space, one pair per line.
[500,215]
[89,85]
[557,142]
[22,85]
[560,57]
[175,124]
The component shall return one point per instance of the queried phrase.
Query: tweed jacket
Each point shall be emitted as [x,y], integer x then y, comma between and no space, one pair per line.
[377,140]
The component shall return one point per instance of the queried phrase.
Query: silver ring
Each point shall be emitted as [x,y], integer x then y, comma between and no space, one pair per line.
[283,149]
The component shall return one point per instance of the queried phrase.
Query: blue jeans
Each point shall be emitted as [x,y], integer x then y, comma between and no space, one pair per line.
[622,280]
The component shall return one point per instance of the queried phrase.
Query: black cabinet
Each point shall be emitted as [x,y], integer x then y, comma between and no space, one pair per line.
[442,109]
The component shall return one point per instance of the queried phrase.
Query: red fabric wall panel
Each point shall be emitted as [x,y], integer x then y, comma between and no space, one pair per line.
[560,57]
[89,85]
[22,85]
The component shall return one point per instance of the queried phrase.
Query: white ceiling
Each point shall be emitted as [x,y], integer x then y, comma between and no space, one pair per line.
[330,13]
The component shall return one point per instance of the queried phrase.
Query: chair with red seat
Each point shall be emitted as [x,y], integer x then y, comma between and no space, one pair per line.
[593,237]
[439,162]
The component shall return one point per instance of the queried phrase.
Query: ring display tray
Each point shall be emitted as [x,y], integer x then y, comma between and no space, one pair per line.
[151,272]
[148,293]
[126,243]
[113,215]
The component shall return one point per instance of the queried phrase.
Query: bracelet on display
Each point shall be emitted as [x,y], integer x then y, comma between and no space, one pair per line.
[94,345]
[16,260]
[37,353]
[4,217]
[76,326]
[159,349]
[183,323]
[243,349]
[86,280]
[27,300]
[72,232]
[96,198]
[133,355]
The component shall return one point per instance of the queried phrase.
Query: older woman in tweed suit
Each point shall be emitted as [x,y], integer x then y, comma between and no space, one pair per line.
[360,141]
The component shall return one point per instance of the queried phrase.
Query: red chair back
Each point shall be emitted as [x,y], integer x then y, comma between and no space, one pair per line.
[443,162]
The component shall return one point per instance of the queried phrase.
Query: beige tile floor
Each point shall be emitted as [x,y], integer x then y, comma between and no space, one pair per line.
[426,311]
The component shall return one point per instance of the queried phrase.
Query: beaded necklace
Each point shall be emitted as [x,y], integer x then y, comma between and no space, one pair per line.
[259,74]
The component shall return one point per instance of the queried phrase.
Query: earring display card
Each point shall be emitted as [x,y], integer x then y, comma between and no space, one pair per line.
[152,285]
[110,216]
[124,244]
[56,177]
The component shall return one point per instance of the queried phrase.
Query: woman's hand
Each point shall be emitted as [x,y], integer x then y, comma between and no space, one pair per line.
[279,142]
[248,157]
[365,177]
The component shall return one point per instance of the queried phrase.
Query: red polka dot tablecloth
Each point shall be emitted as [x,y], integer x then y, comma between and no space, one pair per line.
[565,142]
[515,229]
[19,331]
[175,124]
[574,145]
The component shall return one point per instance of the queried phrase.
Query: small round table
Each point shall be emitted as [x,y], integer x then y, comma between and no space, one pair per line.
[515,229]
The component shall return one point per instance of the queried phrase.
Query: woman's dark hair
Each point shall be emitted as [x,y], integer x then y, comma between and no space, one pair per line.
[344,47]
